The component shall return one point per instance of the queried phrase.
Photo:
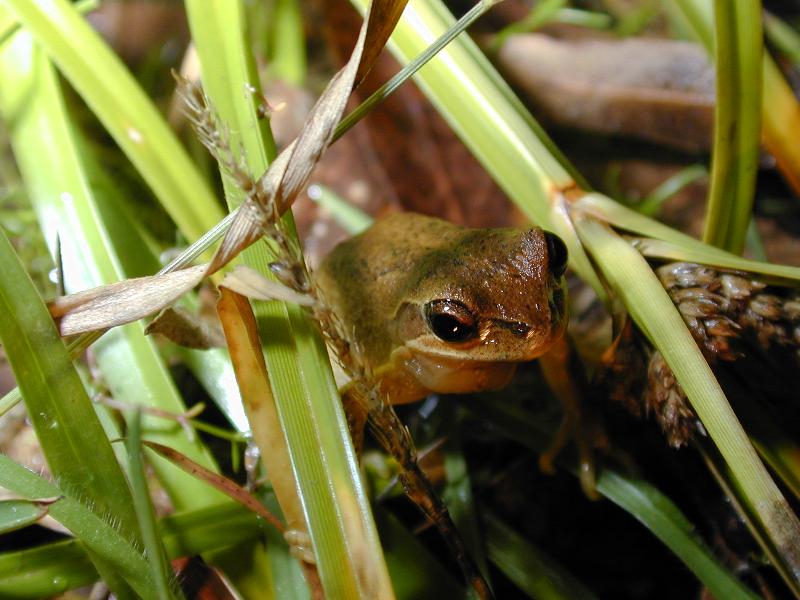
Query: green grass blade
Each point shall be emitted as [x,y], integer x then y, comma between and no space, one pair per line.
[780,108]
[535,573]
[153,547]
[737,123]
[329,486]
[123,108]
[782,36]
[17,514]
[112,551]
[651,308]
[668,244]
[49,570]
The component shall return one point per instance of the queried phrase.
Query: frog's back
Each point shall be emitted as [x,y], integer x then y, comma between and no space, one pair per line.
[364,278]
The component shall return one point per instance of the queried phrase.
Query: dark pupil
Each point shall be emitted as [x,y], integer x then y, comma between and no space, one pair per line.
[556,254]
[450,329]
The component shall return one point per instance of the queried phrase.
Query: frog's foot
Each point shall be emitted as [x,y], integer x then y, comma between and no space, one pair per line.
[588,436]
[300,546]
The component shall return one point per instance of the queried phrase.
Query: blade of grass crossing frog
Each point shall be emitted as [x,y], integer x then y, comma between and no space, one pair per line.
[57,176]
[502,135]
[122,106]
[737,123]
[643,501]
[348,553]
[651,308]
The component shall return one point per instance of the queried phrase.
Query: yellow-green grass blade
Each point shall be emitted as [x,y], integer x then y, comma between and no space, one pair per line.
[782,36]
[56,174]
[647,302]
[485,114]
[329,486]
[151,539]
[122,106]
[737,123]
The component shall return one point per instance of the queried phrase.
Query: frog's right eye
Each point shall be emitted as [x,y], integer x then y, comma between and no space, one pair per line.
[556,254]
[451,321]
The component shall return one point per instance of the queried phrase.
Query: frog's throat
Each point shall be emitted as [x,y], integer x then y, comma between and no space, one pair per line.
[410,376]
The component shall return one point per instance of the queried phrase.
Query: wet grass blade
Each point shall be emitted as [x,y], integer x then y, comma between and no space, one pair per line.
[113,550]
[51,569]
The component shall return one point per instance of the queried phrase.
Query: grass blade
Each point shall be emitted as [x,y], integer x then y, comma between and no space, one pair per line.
[737,124]
[159,567]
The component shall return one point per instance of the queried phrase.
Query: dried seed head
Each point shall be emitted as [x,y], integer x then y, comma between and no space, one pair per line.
[666,401]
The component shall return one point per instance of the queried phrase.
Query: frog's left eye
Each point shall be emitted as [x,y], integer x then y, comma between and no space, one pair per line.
[451,321]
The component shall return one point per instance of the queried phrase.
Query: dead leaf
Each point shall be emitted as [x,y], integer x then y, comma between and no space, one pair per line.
[223,484]
[248,282]
[122,302]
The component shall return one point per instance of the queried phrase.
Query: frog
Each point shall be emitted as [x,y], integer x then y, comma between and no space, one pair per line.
[440,308]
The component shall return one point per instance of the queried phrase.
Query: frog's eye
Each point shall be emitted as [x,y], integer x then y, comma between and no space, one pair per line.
[556,254]
[451,321]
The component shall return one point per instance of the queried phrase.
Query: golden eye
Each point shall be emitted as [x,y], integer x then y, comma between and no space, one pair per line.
[451,321]
[556,254]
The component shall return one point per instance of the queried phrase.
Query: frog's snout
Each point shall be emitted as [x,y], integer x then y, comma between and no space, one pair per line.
[557,255]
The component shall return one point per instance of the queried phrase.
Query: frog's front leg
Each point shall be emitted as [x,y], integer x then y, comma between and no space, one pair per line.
[565,377]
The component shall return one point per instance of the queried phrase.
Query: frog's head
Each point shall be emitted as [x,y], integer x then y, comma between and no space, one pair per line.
[488,295]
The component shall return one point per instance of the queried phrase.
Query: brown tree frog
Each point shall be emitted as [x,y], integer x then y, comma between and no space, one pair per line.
[440,308]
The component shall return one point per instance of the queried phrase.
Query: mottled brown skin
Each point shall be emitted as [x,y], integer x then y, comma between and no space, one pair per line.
[380,281]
